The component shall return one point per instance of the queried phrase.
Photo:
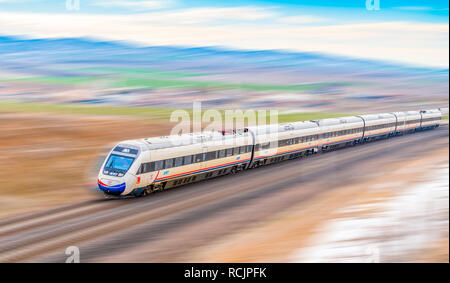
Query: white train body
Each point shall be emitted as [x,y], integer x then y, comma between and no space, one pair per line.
[141,166]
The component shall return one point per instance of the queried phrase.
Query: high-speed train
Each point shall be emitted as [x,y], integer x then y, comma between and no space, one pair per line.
[138,167]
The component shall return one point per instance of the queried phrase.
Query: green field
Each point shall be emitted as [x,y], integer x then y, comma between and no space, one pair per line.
[141,72]
[143,78]
[151,113]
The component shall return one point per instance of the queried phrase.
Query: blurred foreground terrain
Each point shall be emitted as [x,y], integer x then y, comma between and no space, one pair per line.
[63,102]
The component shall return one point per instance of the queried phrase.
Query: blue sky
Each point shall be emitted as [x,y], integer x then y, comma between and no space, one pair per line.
[431,10]
[411,31]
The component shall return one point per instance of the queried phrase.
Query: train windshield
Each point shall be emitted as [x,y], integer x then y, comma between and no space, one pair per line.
[118,162]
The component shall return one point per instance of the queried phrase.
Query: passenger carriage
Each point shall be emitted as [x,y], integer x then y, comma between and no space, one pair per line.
[413,119]
[274,143]
[377,126]
[430,118]
[339,132]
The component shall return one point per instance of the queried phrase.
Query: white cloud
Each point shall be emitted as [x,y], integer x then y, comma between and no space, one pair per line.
[303,19]
[140,5]
[415,43]
[205,15]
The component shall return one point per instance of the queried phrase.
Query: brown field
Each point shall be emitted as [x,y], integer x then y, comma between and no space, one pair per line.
[45,159]
[274,240]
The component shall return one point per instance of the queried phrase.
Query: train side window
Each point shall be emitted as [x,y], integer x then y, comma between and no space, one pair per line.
[211,155]
[169,163]
[178,161]
[222,153]
[198,157]
[236,151]
[265,145]
[187,159]
[229,152]
[159,165]
[141,169]
[274,144]
[243,149]
[147,167]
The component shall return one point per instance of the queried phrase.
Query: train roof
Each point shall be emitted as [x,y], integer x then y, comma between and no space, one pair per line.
[283,127]
[372,117]
[190,138]
[410,113]
[399,114]
[338,121]
[163,142]
[153,143]
[432,111]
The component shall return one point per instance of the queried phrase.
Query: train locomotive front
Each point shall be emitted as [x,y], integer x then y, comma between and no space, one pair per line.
[117,175]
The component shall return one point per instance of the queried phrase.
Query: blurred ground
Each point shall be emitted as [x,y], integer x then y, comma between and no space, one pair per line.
[308,226]
[44,158]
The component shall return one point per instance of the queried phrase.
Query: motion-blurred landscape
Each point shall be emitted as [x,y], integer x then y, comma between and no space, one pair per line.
[69,93]
[83,72]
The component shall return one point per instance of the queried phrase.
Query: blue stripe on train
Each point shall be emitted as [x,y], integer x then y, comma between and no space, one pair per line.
[113,190]
[201,171]
[229,165]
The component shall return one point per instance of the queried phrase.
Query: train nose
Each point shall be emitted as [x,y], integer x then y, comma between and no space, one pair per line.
[111,187]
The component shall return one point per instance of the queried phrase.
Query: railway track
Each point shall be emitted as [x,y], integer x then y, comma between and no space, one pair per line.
[155,220]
